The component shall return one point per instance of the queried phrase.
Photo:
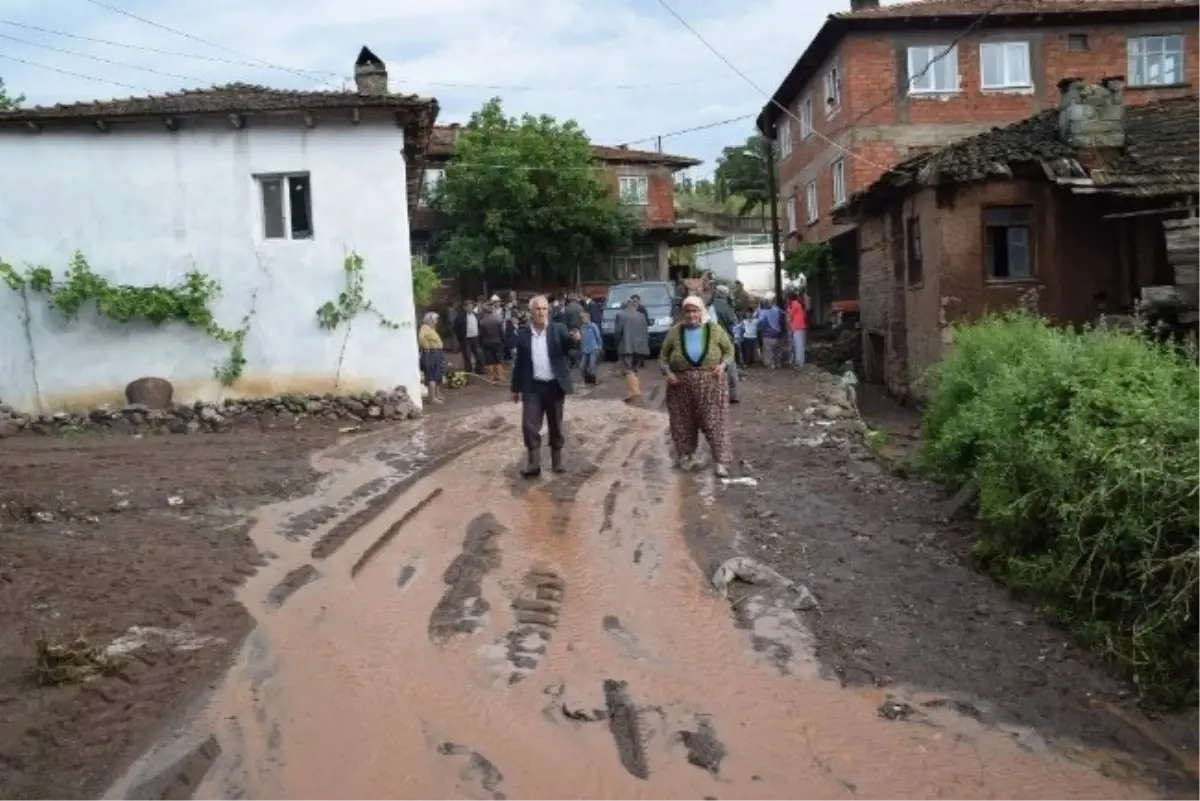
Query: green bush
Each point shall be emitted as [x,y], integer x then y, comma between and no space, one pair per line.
[1084,445]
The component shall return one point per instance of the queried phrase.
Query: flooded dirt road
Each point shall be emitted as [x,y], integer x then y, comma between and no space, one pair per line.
[429,625]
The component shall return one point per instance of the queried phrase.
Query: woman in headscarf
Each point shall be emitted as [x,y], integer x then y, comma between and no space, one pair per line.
[433,358]
[693,359]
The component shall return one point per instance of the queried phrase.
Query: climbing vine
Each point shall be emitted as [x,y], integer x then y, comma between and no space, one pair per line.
[188,302]
[813,260]
[351,300]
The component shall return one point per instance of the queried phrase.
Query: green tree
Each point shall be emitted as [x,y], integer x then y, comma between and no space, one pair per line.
[524,197]
[742,171]
[9,101]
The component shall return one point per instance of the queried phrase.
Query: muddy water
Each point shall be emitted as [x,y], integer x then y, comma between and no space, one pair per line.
[482,637]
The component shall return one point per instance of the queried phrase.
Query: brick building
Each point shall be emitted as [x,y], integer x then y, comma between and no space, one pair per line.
[1064,211]
[870,90]
[643,180]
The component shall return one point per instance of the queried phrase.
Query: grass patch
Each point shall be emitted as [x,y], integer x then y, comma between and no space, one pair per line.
[71,662]
[1084,446]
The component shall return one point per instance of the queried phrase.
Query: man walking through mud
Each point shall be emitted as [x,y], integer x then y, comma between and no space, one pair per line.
[541,381]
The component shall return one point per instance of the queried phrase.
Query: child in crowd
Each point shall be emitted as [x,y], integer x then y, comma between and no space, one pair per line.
[738,333]
[590,345]
[749,340]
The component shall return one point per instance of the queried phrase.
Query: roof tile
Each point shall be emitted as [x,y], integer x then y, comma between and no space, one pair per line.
[441,145]
[937,8]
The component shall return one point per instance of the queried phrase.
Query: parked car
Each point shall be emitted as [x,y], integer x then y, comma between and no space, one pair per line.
[658,301]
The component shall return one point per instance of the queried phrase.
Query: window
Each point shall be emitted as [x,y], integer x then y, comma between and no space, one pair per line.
[932,68]
[791,213]
[1004,65]
[784,127]
[806,118]
[1007,243]
[429,187]
[838,170]
[1077,42]
[914,256]
[635,190]
[639,262]
[287,206]
[810,202]
[1156,60]
[833,89]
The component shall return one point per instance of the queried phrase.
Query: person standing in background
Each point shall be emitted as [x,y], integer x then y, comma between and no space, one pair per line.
[632,330]
[590,345]
[595,309]
[573,318]
[491,341]
[770,324]
[749,339]
[798,325]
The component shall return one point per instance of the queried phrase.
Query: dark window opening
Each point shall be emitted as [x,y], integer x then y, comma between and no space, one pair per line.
[1007,243]
[896,223]
[272,198]
[300,203]
[1077,42]
[914,254]
[286,206]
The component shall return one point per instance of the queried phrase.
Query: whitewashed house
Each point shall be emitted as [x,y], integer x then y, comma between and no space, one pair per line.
[265,191]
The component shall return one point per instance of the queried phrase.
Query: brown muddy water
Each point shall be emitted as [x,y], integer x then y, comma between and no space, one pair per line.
[430,626]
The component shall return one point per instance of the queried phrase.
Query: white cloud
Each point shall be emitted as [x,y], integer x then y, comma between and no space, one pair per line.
[561,57]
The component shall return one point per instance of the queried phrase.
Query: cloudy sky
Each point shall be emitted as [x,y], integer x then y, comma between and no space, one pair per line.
[626,69]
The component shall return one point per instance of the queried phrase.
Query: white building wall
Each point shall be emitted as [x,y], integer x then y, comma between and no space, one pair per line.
[145,205]
[750,264]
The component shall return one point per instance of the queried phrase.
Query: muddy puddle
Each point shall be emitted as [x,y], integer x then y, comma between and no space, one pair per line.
[430,626]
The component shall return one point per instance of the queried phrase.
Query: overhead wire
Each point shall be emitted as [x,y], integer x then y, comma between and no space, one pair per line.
[101,59]
[28,63]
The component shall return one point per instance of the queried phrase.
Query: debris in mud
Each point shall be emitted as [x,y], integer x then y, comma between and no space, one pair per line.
[479,778]
[291,583]
[625,724]
[463,607]
[72,662]
[740,481]
[751,571]
[374,548]
[705,750]
[895,709]
[406,575]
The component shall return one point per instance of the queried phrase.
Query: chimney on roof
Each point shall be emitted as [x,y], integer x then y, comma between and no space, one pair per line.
[860,5]
[1092,116]
[370,74]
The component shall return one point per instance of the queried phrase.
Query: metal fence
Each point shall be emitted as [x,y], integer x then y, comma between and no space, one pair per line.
[735,241]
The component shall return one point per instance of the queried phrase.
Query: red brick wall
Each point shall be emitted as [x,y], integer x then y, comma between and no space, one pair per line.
[881,126]
[660,191]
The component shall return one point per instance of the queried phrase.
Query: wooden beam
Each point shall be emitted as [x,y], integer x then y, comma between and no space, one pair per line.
[102,126]
[355,116]
[33,126]
[172,123]
[310,121]
[237,121]
[1146,212]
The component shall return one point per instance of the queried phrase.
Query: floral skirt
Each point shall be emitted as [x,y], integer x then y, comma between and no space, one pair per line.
[699,403]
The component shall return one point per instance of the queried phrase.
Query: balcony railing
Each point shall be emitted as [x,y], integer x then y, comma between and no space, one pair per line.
[735,241]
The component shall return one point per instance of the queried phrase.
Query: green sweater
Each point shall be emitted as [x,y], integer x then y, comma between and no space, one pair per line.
[717,350]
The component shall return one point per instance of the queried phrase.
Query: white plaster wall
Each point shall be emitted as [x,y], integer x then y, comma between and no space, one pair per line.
[146,205]
[750,264]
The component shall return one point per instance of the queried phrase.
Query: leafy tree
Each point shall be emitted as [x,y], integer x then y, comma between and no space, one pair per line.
[8,101]
[742,170]
[523,197]
[426,282]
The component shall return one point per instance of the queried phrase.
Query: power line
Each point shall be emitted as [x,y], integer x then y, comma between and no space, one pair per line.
[76,74]
[101,59]
[756,87]
[194,38]
[704,127]
[341,76]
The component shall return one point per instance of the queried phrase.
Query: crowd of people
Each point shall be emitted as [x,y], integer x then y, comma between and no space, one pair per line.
[537,348]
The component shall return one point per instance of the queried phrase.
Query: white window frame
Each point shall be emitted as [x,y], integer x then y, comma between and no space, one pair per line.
[837,171]
[929,85]
[634,190]
[833,89]
[784,127]
[284,180]
[793,223]
[1141,49]
[806,118]
[812,209]
[1020,77]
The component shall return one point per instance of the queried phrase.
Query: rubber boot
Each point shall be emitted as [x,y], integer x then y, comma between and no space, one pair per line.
[556,461]
[634,385]
[533,464]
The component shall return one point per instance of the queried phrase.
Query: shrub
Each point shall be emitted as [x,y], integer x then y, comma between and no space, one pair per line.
[1084,445]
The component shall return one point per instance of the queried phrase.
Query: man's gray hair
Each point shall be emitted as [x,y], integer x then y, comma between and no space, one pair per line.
[722,291]
[536,298]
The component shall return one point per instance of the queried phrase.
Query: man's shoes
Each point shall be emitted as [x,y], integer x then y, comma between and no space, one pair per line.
[556,461]
[533,464]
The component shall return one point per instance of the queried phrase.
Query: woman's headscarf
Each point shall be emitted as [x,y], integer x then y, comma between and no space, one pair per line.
[696,303]
[430,319]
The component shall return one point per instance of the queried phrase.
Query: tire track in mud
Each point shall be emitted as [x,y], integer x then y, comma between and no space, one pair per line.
[388,535]
[537,612]
[462,608]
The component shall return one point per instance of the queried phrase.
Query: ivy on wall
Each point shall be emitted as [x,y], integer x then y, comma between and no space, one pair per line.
[189,302]
[351,301]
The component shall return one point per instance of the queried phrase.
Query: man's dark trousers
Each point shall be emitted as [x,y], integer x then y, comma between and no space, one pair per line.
[545,402]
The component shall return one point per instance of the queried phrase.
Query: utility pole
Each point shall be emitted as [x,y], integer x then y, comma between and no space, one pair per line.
[773,190]
[659,145]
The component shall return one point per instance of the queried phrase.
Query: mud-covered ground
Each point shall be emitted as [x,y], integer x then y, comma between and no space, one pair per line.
[102,535]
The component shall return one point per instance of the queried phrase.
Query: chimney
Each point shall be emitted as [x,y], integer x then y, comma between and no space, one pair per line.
[370,75]
[863,5]
[1092,116]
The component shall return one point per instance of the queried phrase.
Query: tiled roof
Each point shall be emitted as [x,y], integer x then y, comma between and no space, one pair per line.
[441,146]
[938,8]
[1161,156]
[234,98]
[955,16]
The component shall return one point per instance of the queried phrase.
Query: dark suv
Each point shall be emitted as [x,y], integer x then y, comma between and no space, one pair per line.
[658,301]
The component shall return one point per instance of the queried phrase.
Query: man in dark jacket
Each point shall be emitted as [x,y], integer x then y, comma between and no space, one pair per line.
[727,319]
[541,381]
[573,318]
[632,330]
[595,308]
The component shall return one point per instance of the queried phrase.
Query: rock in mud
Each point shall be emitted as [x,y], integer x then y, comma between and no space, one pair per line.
[150,392]
[705,750]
